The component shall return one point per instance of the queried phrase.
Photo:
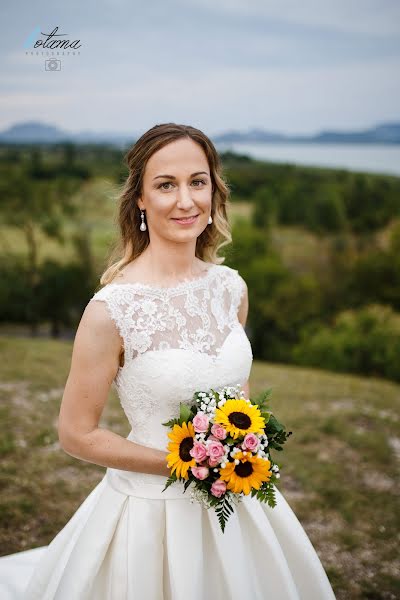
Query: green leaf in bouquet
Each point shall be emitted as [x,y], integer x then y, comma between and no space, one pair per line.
[171,423]
[262,399]
[279,438]
[186,484]
[216,395]
[223,511]
[185,413]
[171,479]
[274,425]
[266,415]
[265,494]
[230,440]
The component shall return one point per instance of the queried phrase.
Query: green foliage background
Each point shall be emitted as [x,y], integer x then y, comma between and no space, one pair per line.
[318,248]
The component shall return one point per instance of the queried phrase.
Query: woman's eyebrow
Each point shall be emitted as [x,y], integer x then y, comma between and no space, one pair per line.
[172,177]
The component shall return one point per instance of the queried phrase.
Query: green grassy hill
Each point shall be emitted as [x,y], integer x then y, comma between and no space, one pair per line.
[338,470]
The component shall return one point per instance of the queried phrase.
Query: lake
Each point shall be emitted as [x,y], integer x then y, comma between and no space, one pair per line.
[371,158]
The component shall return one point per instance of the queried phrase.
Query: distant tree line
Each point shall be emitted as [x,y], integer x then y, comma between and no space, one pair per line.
[321,200]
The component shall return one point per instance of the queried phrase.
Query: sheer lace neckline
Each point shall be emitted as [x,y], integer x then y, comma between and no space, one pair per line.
[183,284]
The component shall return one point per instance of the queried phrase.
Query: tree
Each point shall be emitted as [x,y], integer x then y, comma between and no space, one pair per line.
[34,207]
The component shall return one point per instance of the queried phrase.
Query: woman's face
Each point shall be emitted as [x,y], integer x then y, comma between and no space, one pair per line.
[177,184]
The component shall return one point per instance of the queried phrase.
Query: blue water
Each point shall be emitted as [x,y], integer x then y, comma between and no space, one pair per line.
[371,158]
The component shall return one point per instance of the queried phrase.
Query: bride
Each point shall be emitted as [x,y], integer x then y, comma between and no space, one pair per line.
[169,320]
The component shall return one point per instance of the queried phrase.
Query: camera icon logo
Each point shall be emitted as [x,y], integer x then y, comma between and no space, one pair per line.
[52,64]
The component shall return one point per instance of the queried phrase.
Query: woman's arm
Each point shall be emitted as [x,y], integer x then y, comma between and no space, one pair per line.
[94,364]
[242,316]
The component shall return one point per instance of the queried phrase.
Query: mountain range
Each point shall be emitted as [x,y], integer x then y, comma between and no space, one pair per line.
[35,132]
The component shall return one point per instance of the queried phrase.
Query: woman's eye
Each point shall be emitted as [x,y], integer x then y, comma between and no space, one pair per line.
[169,183]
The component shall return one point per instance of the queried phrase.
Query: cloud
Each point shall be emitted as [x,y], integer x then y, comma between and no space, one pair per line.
[287,66]
[378,17]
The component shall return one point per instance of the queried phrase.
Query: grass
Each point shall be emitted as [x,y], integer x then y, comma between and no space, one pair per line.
[339,470]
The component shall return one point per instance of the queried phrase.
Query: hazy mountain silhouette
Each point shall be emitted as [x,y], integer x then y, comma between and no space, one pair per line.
[37,132]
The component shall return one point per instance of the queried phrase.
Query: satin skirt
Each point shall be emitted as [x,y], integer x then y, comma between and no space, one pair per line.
[129,542]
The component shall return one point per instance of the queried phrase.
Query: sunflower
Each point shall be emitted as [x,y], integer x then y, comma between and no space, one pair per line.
[181,442]
[251,472]
[239,417]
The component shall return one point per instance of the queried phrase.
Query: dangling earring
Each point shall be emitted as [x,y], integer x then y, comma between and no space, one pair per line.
[143,225]
[210,220]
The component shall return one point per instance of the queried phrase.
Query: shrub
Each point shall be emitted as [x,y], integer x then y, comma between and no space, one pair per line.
[365,341]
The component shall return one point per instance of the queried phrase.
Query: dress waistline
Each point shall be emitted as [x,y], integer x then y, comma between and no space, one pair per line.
[145,485]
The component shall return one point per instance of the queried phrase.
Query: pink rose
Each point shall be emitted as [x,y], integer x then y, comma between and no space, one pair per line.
[199,451]
[200,472]
[201,423]
[215,450]
[219,432]
[250,442]
[218,488]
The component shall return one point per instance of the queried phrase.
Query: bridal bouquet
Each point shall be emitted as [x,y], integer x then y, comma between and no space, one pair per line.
[221,443]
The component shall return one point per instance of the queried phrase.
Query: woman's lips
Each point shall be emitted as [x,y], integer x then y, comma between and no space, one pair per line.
[186,221]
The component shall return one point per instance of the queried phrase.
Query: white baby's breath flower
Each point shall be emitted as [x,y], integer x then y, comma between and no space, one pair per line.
[235,498]
[237,461]
[200,496]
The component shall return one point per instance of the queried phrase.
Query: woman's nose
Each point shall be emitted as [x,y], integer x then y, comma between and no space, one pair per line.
[184,196]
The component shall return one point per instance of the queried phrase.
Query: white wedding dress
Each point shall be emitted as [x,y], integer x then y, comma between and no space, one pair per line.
[129,540]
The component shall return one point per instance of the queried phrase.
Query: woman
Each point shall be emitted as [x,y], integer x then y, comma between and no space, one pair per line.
[169,321]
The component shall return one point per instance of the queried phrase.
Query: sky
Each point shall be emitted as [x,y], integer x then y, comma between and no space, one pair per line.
[291,67]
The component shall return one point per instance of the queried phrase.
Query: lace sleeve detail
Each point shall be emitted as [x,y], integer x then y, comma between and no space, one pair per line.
[238,291]
[116,307]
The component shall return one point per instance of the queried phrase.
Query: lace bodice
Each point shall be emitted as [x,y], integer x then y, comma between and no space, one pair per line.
[177,340]
[193,315]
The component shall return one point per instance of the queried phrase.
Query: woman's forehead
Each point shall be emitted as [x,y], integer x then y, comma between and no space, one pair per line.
[180,156]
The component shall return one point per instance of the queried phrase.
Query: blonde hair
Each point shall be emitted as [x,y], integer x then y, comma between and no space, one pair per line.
[131,241]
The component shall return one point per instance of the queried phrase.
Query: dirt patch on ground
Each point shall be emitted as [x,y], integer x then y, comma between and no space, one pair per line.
[376,480]
[292,489]
[18,391]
